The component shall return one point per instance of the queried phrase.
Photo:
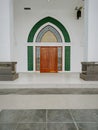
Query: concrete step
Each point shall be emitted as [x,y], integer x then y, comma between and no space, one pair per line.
[43,91]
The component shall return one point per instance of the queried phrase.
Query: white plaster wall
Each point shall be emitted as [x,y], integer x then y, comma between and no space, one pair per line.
[62,10]
[85,31]
[12,38]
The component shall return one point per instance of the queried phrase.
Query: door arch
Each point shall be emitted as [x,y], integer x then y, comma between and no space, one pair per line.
[48,20]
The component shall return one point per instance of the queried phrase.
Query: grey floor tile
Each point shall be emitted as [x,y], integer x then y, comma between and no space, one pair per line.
[88,126]
[59,116]
[34,126]
[8,126]
[61,126]
[96,111]
[84,115]
[10,116]
[31,116]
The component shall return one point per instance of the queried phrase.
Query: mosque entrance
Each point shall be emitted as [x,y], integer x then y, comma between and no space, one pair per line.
[49,52]
[48,59]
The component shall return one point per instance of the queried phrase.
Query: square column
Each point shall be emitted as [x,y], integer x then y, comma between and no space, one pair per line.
[91,30]
[6,29]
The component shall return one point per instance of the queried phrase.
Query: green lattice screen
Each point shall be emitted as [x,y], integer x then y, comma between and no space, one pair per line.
[67,58]
[30,58]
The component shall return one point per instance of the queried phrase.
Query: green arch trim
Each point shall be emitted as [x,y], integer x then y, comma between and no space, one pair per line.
[53,21]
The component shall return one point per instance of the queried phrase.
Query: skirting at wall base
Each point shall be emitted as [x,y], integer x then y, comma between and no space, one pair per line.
[8,77]
[89,77]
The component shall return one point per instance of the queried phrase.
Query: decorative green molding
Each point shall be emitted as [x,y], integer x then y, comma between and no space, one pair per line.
[67,58]
[46,20]
[30,58]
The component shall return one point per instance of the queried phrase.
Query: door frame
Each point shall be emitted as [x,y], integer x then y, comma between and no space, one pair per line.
[36,70]
[50,60]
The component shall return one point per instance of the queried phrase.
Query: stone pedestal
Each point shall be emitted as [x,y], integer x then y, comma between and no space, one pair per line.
[89,71]
[8,71]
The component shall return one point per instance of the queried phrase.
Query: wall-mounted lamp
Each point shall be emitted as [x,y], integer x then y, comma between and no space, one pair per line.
[78,12]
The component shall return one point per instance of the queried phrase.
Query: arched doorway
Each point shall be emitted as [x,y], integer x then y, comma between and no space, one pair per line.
[50,30]
[48,58]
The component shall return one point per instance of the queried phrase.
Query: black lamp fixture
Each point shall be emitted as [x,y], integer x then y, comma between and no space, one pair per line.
[27,8]
[78,11]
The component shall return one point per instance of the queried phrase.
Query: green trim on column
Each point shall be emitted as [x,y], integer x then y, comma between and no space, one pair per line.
[44,21]
[30,58]
[67,58]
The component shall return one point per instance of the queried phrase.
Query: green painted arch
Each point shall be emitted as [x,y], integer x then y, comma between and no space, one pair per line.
[44,21]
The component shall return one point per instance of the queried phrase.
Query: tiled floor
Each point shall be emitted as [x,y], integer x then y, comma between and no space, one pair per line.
[61,119]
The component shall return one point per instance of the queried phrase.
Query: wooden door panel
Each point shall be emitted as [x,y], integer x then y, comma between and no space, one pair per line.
[48,59]
[53,59]
[44,58]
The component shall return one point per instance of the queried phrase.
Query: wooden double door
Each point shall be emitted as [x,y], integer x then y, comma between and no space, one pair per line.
[48,59]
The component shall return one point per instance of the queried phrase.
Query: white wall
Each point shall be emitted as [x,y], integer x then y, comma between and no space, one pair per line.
[62,10]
